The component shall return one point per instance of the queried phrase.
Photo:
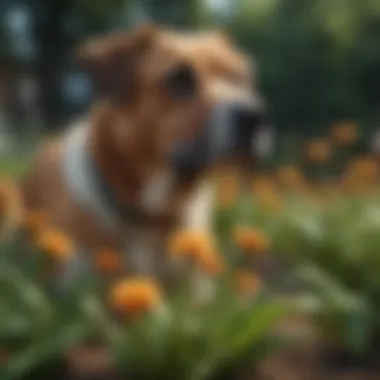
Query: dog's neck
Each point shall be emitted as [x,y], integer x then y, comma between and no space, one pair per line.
[130,169]
[109,181]
[125,168]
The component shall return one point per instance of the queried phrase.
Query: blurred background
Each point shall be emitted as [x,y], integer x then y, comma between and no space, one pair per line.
[319,70]
[318,60]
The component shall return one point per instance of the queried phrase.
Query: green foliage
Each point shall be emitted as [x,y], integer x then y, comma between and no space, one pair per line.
[188,336]
[316,59]
[334,248]
[37,325]
[183,340]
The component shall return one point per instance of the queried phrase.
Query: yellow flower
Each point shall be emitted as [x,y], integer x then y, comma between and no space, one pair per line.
[135,296]
[247,282]
[108,261]
[55,244]
[319,151]
[344,133]
[250,239]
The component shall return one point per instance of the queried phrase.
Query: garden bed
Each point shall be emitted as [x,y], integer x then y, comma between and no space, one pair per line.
[295,363]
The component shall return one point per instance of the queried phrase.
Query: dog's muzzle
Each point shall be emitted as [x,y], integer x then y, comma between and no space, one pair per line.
[233,130]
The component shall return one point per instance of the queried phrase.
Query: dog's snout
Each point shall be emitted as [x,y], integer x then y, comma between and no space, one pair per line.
[246,119]
[234,128]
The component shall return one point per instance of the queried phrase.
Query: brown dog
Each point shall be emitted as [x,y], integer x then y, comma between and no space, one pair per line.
[169,106]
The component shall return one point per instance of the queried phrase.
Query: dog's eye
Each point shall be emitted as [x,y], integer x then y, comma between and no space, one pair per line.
[181,82]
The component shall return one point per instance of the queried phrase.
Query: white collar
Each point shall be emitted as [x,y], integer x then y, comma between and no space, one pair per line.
[76,165]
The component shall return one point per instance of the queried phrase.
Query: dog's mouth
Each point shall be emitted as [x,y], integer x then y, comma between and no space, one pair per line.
[188,159]
[223,143]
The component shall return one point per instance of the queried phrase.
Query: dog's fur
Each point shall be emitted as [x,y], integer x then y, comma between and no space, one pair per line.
[129,134]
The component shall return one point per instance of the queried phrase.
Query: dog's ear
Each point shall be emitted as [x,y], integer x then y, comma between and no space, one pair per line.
[110,61]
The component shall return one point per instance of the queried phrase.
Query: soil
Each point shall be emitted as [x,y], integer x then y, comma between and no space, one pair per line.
[303,364]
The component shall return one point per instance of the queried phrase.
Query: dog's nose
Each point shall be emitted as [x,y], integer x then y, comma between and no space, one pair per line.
[246,118]
[245,122]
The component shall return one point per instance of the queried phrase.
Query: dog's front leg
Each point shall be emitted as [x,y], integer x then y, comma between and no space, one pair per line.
[198,210]
[198,216]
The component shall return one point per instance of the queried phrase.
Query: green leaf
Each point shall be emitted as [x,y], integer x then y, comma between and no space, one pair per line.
[242,336]
[53,344]
[330,290]
[259,322]
[358,329]
[26,292]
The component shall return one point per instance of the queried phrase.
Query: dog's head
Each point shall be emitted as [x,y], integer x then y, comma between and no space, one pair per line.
[188,97]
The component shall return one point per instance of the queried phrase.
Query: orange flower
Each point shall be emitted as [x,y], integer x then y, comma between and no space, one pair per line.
[185,243]
[210,262]
[364,168]
[227,188]
[35,221]
[319,151]
[11,208]
[134,296]
[351,185]
[247,282]
[290,177]
[250,239]
[344,133]
[55,244]
[267,193]
[262,184]
[108,261]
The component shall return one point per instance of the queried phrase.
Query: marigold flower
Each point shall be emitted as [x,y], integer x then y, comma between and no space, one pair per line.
[364,168]
[344,133]
[290,177]
[247,282]
[55,244]
[227,194]
[108,261]
[267,194]
[185,243]
[319,151]
[228,187]
[351,185]
[210,262]
[270,200]
[261,184]
[11,209]
[250,239]
[134,296]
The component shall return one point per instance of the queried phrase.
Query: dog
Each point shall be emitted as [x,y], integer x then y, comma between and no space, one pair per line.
[169,106]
